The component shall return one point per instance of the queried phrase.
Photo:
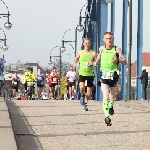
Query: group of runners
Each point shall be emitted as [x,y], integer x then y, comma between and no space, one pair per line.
[30,79]
[52,80]
[108,58]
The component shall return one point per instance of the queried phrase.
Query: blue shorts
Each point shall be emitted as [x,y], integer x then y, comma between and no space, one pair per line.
[111,83]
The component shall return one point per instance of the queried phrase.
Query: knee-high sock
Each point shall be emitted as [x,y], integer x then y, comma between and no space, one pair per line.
[55,94]
[111,103]
[106,107]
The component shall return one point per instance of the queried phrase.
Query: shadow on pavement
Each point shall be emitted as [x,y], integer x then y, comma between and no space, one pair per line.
[96,133]
[23,133]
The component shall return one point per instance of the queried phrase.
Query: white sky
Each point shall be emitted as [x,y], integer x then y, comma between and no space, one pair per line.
[39,25]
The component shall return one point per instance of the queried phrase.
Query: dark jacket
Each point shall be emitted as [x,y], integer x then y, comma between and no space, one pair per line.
[144,77]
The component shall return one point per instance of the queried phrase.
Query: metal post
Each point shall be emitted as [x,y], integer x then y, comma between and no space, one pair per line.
[75,52]
[112,28]
[102,27]
[60,72]
[129,52]
[97,51]
[75,47]
[139,48]
[124,49]
[96,48]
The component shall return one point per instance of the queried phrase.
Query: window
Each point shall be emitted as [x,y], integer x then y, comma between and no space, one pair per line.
[133,82]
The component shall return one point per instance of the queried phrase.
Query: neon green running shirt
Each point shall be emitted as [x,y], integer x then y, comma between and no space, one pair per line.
[86,70]
[106,60]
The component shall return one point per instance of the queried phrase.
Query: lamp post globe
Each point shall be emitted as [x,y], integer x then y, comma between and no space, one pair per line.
[80,28]
[62,49]
[50,62]
[5,47]
[8,25]
[109,1]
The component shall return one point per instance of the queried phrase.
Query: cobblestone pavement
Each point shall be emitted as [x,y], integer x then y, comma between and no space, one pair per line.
[63,125]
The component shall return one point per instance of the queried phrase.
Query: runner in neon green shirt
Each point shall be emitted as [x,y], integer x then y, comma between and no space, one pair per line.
[109,57]
[86,58]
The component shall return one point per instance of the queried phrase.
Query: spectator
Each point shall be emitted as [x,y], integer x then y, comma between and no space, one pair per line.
[144,82]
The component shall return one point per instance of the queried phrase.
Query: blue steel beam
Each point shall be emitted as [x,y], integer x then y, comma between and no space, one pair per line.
[112,27]
[124,49]
[94,48]
[139,48]
[102,27]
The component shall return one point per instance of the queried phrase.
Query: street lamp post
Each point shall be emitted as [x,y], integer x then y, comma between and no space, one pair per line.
[4,61]
[75,41]
[50,62]
[61,49]
[129,53]
[5,47]
[80,27]
[7,25]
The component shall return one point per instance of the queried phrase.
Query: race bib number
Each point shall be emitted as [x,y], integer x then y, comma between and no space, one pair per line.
[85,64]
[15,83]
[54,79]
[107,75]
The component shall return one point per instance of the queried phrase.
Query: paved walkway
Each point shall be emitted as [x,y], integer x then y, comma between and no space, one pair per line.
[63,125]
[7,141]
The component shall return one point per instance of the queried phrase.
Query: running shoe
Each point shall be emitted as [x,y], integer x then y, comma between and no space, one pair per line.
[85,107]
[82,100]
[108,121]
[111,111]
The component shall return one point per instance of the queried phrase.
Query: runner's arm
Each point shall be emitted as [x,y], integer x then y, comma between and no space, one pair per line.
[98,56]
[94,56]
[122,59]
[67,75]
[76,59]
[12,80]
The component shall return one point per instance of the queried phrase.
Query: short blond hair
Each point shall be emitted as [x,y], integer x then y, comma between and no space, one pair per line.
[87,39]
[110,33]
